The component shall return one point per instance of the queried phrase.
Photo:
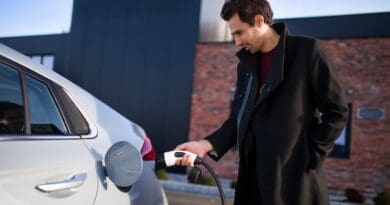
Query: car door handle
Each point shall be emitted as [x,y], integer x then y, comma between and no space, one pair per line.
[71,183]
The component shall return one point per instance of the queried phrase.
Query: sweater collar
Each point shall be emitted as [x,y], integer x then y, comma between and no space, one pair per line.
[276,74]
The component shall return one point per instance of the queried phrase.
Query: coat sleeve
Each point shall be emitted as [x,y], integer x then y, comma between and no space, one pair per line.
[330,102]
[225,137]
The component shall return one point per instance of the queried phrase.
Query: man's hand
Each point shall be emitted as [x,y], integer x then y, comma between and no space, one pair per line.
[200,148]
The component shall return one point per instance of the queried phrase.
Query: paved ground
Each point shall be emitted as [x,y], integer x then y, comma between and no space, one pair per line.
[179,192]
[185,198]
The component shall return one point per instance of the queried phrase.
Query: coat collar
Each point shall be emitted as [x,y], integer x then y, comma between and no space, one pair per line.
[276,75]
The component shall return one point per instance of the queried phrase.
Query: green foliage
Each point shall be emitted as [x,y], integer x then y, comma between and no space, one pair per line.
[206,180]
[382,198]
[233,184]
[162,174]
[354,195]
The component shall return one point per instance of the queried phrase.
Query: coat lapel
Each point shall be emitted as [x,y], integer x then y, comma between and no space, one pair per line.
[250,64]
[276,75]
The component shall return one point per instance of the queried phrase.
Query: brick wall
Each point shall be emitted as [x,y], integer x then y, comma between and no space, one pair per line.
[364,68]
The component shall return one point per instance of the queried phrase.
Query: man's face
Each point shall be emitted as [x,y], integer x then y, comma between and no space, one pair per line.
[246,36]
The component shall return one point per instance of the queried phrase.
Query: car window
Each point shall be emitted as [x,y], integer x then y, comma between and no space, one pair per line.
[77,120]
[11,102]
[45,117]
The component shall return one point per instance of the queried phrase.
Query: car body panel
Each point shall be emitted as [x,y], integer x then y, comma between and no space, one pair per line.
[31,160]
[139,196]
[27,164]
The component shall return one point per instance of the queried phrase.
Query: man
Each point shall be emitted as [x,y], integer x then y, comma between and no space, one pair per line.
[287,111]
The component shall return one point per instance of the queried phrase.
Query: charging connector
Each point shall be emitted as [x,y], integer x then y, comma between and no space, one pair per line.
[169,159]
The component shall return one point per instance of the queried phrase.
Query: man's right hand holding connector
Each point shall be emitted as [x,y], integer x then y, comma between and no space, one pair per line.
[200,148]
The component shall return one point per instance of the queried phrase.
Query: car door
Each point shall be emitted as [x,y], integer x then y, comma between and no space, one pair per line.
[40,161]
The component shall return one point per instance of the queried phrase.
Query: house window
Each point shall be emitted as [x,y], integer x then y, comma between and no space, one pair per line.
[342,145]
[46,60]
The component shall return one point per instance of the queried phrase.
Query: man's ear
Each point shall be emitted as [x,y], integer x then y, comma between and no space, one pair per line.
[259,20]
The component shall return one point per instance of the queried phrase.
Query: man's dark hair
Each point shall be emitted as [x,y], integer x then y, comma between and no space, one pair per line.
[247,10]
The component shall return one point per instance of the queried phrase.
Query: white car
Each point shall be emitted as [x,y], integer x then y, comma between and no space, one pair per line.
[54,137]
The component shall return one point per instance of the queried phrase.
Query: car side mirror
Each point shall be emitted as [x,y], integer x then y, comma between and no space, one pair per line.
[123,164]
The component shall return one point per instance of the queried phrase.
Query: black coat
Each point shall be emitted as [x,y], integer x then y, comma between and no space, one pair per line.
[295,117]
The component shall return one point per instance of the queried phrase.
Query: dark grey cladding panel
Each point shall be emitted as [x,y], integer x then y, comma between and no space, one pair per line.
[138,57]
[41,45]
[347,26]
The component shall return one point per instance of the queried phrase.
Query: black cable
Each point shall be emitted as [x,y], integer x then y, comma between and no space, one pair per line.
[221,193]
[161,161]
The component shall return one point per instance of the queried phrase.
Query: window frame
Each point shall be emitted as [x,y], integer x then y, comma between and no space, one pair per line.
[60,92]
[53,89]
[49,85]
[340,151]
[26,123]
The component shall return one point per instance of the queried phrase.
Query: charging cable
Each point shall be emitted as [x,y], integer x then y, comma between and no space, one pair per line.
[169,159]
